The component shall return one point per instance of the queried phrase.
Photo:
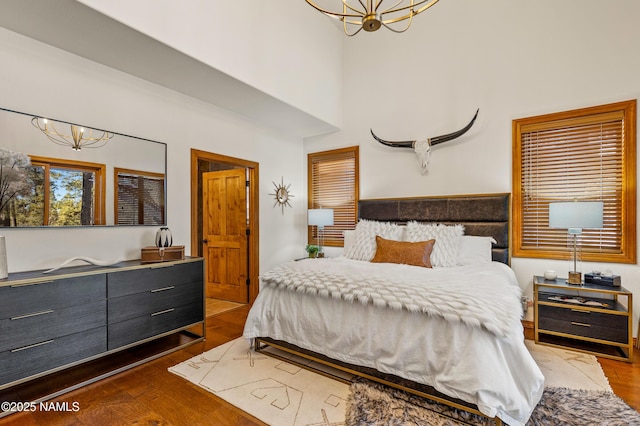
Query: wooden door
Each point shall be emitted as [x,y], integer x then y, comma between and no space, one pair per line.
[224,222]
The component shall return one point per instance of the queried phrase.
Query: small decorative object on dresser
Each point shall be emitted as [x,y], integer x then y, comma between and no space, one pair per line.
[550,275]
[164,237]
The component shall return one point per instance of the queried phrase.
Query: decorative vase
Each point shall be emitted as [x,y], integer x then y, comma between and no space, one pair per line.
[164,238]
[4,270]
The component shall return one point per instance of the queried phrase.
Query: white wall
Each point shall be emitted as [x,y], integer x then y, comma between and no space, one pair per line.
[509,58]
[278,47]
[45,81]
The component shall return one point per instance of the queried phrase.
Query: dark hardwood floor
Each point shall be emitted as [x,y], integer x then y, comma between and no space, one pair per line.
[150,395]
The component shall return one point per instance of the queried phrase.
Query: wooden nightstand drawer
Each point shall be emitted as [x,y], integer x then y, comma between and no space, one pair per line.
[582,329]
[584,316]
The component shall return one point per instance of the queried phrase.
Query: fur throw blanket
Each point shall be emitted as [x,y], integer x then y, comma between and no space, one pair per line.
[485,296]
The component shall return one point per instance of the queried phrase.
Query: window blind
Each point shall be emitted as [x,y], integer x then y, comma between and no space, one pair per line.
[140,199]
[585,158]
[333,184]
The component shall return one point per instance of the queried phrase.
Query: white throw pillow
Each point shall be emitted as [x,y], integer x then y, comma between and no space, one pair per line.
[363,246]
[445,250]
[474,249]
[349,239]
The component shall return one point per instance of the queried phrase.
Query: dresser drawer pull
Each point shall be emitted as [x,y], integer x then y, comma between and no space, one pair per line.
[163,289]
[582,311]
[35,314]
[581,324]
[32,346]
[26,284]
[166,311]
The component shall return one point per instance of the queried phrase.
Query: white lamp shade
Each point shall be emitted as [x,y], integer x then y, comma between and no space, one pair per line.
[576,214]
[320,217]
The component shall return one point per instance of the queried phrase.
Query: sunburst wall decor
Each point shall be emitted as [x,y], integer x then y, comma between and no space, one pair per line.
[282,194]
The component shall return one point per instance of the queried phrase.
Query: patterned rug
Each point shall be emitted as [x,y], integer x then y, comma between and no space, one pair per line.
[276,392]
[373,404]
[280,393]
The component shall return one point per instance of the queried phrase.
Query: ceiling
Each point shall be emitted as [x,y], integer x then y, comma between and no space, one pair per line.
[72,26]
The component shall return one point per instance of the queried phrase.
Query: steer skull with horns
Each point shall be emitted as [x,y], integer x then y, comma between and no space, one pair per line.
[423,147]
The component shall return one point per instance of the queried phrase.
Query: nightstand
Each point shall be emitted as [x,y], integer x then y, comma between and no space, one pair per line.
[588,318]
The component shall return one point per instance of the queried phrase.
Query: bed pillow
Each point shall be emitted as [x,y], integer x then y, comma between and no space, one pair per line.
[349,236]
[474,249]
[403,252]
[364,238]
[445,250]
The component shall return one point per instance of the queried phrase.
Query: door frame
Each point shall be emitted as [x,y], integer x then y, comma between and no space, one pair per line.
[196,211]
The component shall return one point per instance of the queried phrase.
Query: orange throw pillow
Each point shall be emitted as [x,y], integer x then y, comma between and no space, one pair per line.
[407,253]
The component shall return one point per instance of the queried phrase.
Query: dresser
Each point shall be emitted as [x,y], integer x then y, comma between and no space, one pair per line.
[50,323]
[589,318]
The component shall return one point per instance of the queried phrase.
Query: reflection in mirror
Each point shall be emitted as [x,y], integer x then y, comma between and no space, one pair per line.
[48,177]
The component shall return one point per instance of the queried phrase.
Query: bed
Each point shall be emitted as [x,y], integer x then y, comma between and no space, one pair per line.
[451,333]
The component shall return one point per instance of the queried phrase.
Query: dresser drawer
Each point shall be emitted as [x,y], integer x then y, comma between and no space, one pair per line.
[159,299]
[30,360]
[39,326]
[584,323]
[142,280]
[130,331]
[24,299]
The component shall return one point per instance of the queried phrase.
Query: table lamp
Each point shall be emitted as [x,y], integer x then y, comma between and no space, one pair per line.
[573,216]
[320,218]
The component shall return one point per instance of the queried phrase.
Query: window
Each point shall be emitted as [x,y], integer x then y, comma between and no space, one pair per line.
[139,198]
[58,193]
[333,184]
[585,155]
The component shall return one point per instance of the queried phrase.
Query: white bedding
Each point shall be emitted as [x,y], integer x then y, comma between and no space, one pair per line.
[461,359]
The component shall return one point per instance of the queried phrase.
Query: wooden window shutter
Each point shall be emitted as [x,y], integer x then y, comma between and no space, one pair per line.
[583,155]
[333,184]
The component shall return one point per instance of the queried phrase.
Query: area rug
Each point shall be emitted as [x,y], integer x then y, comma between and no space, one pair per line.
[276,392]
[280,393]
[373,404]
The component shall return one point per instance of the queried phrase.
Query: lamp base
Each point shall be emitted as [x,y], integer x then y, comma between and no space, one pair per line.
[574,277]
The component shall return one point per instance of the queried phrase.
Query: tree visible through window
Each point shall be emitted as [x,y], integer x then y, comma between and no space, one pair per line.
[58,193]
[139,198]
[585,155]
[333,184]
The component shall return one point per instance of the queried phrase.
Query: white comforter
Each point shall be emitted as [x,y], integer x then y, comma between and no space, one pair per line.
[460,358]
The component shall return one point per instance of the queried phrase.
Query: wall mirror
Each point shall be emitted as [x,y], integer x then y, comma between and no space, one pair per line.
[55,173]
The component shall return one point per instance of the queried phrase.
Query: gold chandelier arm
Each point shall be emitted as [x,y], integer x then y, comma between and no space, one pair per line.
[380,4]
[335,15]
[412,5]
[389,27]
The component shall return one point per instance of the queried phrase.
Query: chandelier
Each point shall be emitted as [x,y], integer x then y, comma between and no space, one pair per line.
[370,15]
[80,137]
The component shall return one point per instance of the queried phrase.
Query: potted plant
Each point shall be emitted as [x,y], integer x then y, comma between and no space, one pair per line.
[312,250]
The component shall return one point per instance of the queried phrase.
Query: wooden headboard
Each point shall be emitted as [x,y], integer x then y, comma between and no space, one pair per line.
[484,215]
